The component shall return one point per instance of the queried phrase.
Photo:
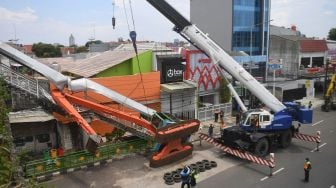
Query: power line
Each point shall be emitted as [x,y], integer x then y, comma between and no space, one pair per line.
[130,3]
[126,16]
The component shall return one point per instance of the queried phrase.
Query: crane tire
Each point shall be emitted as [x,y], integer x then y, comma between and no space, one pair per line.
[201,167]
[205,161]
[177,178]
[167,174]
[213,164]
[207,166]
[179,170]
[169,181]
[285,139]
[261,147]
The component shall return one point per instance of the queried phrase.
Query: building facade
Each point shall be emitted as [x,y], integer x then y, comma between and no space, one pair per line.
[237,25]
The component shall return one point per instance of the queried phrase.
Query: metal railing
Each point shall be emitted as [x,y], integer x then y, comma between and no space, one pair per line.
[78,159]
[23,82]
[207,113]
[125,125]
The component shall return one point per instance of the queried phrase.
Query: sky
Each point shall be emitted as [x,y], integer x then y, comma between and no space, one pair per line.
[52,21]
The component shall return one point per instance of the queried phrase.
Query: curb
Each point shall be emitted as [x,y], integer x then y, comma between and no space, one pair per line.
[49,176]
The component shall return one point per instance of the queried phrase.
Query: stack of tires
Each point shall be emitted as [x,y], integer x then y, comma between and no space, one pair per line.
[201,166]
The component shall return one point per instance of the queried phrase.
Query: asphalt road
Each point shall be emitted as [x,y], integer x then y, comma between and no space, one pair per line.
[289,162]
[231,172]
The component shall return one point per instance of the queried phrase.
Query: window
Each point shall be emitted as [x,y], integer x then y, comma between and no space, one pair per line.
[19,141]
[266,118]
[42,138]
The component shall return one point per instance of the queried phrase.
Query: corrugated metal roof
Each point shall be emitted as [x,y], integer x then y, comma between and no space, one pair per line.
[27,116]
[96,64]
[93,65]
[154,46]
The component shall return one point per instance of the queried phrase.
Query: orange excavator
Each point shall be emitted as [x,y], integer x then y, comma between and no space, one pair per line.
[169,133]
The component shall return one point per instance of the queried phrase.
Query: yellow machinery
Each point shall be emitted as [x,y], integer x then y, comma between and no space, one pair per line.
[328,98]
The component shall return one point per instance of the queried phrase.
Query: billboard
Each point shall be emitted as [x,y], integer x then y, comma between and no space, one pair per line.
[172,73]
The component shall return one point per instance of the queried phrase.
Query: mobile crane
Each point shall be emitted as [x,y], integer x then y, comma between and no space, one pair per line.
[161,128]
[259,129]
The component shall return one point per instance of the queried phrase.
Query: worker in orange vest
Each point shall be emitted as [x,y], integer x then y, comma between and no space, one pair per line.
[307,167]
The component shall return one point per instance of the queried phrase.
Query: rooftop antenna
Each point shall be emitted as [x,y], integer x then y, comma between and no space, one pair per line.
[15,39]
[93,37]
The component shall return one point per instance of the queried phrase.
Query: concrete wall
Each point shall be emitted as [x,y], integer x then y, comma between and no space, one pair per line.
[275,30]
[22,100]
[217,22]
[288,51]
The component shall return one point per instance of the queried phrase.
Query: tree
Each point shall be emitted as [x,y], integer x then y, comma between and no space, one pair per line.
[225,92]
[332,34]
[81,49]
[6,165]
[46,50]
[9,162]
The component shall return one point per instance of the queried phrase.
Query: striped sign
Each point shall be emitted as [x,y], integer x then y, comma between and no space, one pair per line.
[238,153]
[308,138]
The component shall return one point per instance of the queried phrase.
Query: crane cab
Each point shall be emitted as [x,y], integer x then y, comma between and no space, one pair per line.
[256,119]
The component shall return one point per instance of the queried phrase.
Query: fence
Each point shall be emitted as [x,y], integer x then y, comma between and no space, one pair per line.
[207,113]
[78,159]
[23,82]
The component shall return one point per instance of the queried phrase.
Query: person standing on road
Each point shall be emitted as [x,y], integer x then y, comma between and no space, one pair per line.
[216,115]
[193,177]
[307,167]
[310,105]
[210,130]
[185,177]
[221,115]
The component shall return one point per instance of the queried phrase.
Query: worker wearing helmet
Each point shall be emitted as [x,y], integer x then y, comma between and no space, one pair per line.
[307,167]
[185,177]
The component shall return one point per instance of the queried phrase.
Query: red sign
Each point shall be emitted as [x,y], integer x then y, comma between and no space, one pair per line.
[314,70]
[204,60]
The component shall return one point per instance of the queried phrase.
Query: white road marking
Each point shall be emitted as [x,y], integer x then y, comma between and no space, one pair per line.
[317,123]
[333,186]
[266,177]
[278,171]
[319,147]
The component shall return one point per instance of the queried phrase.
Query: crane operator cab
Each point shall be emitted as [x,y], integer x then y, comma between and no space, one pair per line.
[256,119]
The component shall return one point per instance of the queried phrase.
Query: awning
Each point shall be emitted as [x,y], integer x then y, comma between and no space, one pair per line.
[177,86]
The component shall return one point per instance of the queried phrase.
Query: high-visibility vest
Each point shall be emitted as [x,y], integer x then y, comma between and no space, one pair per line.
[306,165]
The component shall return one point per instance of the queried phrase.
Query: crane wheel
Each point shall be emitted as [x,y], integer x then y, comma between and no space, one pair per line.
[325,108]
[333,106]
[262,147]
[285,139]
